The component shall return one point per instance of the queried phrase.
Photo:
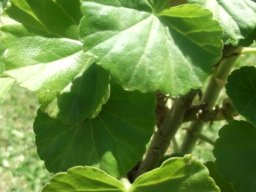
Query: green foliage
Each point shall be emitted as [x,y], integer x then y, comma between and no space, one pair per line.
[236,160]
[223,184]
[168,38]
[96,67]
[241,88]
[84,179]
[114,140]
[175,175]
[238,18]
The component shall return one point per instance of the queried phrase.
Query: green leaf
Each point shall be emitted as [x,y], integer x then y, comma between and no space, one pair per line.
[237,18]
[71,8]
[9,31]
[46,17]
[49,68]
[223,184]
[176,175]
[83,179]
[235,153]
[158,6]
[145,52]
[50,64]
[241,88]
[85,97]
[113,141]
[5,85]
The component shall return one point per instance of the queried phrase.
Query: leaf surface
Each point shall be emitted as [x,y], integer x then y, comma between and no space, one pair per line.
[43,55]
[84,179]
[45,17]
[85,96]
[223,184]
[145,52]
[175,175]
[113,141]
[237,18]
[241,88]
[235,153]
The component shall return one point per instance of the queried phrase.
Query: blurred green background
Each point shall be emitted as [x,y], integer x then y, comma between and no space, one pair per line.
[21,170]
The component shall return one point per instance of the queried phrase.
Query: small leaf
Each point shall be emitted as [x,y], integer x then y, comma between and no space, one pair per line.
[241,88]
[145,52]
[83,179]
[176,175]
[237,18]
[235,153]
[113,141]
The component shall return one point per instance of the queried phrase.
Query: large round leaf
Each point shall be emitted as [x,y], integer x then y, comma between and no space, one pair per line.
[114,141]
[238,18]
[241,88]
[235,153]
[145,52]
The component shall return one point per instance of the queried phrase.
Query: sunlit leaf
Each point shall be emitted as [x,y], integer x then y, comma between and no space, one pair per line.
[84,179]
[176,175]
[238,18]
[147,52]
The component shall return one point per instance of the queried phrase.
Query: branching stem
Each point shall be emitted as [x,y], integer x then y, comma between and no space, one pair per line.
[204,138]
[213,89]
[161,139]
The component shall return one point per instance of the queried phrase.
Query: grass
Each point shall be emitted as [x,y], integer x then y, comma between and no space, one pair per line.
[21,170]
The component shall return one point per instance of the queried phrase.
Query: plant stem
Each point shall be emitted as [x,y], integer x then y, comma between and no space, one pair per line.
[226,112]
[161,139]
[248,50]
[213,89]
[204,138]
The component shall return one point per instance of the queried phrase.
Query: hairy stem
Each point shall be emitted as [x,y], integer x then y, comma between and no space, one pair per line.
[161,139]
[213,89]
